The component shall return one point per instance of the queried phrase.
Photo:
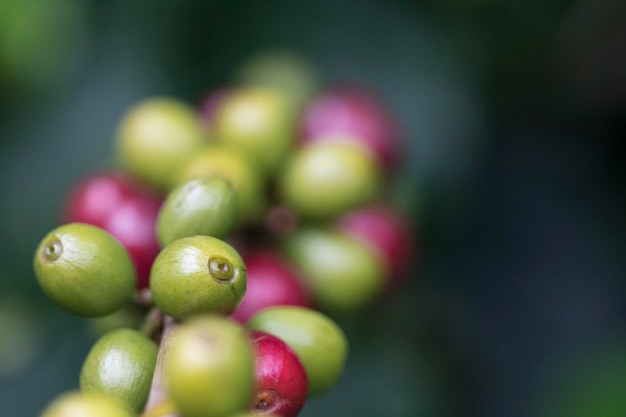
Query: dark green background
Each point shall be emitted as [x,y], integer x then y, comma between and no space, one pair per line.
[514,121]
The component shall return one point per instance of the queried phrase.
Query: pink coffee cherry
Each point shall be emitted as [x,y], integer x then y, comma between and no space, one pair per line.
[117,203]
[350,112]
[281,380]
[271,281]
[387,231]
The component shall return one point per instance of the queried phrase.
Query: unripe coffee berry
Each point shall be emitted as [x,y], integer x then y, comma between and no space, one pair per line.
[124,207]
[238,169]
[198,274]
[86,404]
[326,178]
[155,136]
[120,364]
[209,367]
[85,270]
[258,122]
[318,341]
[344,274]
[200,206]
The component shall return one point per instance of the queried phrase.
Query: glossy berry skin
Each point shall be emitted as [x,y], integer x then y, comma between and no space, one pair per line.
[387,231]
[119,204]
[75,404]
[84,270]
[198,274]
[353,113]
[209,367]
[281,381]
[271,281]
[200,206]
[343,274]
[326,178]
[318,341]
[120,364]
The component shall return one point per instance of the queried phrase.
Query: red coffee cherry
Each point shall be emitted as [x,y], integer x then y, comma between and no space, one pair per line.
[127,209]
[272,281]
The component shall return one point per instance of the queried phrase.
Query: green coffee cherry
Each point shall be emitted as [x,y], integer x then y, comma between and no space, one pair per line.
[198,274]
[120,364]
[327,178]
[85,270]
[200,206]
[291,74]
[318,341]
[73,404]
[155,137]
[343,274]
[242,174]
[259,122]
[209,367]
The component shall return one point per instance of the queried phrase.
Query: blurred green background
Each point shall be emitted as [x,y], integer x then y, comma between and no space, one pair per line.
[513,113]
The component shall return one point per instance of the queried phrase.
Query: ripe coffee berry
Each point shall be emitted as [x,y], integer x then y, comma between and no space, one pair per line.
[385,230]
[271,281]
[281,381]
[352,113]
[119,204]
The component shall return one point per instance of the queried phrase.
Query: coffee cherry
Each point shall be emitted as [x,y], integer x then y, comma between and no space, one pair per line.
[84,269]
[198,274]
[117,203]
[343,274]
[155,137]
[386,231]
[209,367]
[120,364]
[327,178]
[281,381]
[78,404]
[294,76]
[270,281]
[235,167]
[353,113]
[318,341]
[257,121]
[200,206]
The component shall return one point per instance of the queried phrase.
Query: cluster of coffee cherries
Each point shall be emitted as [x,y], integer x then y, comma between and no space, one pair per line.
[235,230]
